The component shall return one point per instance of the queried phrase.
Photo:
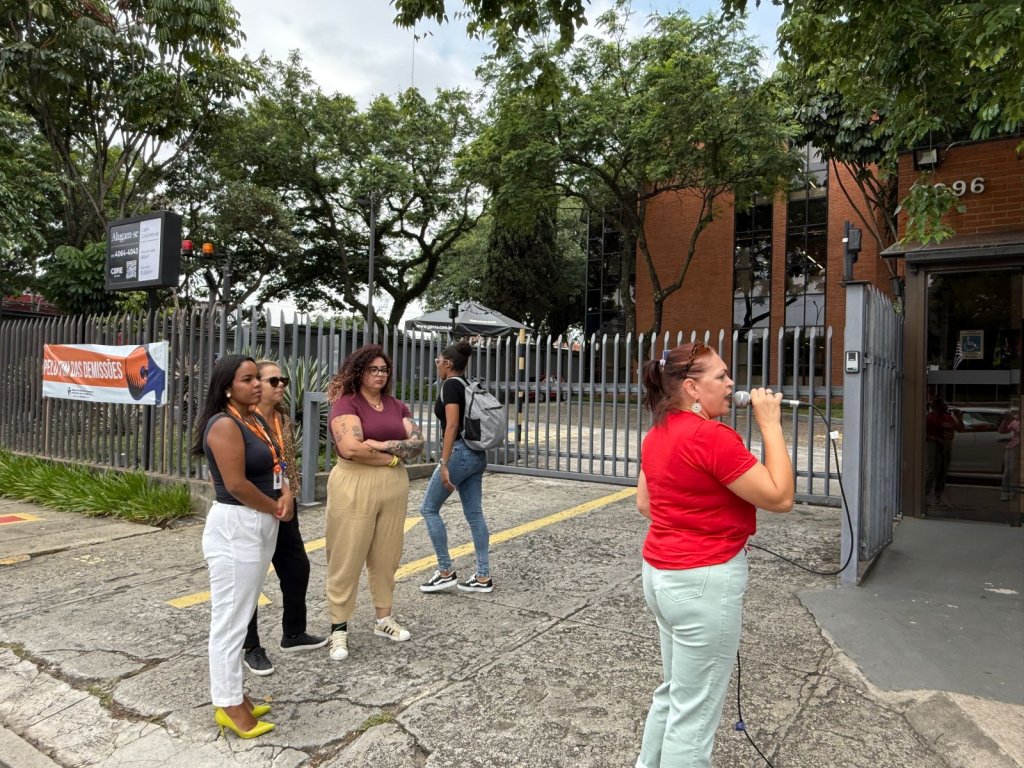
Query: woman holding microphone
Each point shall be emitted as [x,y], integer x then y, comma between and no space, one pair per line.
[252,496]
[700,487]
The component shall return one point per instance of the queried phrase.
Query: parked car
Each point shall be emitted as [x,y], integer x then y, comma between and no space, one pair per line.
[548,388]
[978,450]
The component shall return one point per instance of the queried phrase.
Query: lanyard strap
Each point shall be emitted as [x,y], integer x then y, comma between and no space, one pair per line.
[257,429]
[280,437]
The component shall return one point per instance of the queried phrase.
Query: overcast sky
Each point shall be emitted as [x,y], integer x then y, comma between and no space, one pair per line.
[353,47]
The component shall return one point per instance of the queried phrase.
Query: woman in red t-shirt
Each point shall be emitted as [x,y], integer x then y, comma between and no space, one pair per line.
[367,492]
[700,487]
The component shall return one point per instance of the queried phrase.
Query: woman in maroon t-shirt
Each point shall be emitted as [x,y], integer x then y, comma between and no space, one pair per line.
[367,492]
[700,487]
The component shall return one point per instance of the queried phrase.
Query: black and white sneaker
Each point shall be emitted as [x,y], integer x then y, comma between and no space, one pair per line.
[256,661]
[475,585]
[302,642]
[437,582]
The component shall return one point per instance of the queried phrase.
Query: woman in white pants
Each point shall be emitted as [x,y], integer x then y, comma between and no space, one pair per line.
[246,466]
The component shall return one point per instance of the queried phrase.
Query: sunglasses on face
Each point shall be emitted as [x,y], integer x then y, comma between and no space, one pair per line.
[276,381]
[373,370]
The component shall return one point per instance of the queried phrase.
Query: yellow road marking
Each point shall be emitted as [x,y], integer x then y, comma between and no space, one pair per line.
[13,518]
[201,597]
[426,563]
[187,601]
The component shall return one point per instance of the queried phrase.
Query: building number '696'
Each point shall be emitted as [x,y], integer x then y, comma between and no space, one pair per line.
[960,187]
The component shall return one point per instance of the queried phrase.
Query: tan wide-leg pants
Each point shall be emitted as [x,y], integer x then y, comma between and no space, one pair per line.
[365,524]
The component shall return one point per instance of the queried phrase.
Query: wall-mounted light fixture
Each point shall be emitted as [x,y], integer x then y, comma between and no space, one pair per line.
[896,286]
[926,158]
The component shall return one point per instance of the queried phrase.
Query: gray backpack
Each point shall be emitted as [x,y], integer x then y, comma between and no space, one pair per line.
[484,424]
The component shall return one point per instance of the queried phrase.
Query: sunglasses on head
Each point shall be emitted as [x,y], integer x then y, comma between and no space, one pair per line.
[274,381]
[699,348]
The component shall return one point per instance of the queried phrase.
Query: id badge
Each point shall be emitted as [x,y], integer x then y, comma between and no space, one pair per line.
[278,479]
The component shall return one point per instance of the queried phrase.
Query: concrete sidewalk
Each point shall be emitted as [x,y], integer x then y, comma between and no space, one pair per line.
[554,668]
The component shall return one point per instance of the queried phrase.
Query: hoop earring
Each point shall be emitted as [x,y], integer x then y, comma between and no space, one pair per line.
[696,408]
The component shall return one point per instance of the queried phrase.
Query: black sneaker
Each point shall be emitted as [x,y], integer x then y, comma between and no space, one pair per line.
[302,642]
[438,582]
[256,661]
[475,585]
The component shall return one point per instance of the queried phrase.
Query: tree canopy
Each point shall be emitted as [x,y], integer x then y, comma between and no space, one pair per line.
[286,182]
[940,67]
[118,90]
[872,78]
[680,110]
[29,201]
[504,21]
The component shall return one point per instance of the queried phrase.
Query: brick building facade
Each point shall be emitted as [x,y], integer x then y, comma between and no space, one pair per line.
[805,225]
[964,304]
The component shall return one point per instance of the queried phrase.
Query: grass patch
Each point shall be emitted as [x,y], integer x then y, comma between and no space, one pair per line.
[374,720]
[130,496]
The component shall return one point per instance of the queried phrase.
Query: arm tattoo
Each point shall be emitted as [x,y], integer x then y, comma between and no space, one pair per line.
[409,448]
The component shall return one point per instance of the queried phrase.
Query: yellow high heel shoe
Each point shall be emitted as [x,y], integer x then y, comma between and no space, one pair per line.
[224,721]
[259,710]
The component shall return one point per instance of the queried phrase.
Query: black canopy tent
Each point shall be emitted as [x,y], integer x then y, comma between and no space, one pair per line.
[474,319]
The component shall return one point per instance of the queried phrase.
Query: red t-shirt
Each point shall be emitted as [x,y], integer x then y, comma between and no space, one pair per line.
[377,425]
[695,520]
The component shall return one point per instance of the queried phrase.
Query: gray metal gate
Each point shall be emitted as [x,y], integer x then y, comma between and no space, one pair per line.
[873,418]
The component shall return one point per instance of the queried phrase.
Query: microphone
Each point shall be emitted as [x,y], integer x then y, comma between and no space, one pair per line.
[742,400]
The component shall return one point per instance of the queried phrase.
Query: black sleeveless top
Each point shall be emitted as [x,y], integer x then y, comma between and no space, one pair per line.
[259,462]
[452,392]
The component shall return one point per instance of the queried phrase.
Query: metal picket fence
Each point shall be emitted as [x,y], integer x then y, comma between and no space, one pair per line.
[573,406]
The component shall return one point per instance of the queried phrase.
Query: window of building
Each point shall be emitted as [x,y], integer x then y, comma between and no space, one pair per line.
[752,288]
[606,259]
[806,261]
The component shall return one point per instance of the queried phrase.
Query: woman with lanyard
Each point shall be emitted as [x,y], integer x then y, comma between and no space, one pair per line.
[459,467]
[252,496]
[700,487]
[367,492]
[291,563]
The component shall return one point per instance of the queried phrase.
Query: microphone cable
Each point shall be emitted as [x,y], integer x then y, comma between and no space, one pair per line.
[740,724]
[846,509]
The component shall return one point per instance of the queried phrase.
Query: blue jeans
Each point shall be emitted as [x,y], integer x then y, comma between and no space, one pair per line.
[699,613]
[466,472]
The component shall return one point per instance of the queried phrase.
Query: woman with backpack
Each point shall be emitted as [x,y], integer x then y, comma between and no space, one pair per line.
[460,467]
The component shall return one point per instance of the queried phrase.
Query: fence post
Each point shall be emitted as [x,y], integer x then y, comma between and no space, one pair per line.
[520,390]
[311,445]
[853,438]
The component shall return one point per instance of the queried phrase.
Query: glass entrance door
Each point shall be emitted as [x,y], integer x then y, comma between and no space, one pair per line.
[972,425]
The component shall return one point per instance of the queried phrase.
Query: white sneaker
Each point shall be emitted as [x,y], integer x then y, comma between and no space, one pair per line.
[391,629]
[339,644]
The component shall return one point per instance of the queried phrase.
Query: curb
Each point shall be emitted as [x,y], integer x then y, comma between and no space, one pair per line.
[15,752]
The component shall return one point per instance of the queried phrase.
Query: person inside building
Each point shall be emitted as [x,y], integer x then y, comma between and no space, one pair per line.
[367,492]
[291,563]
[1010,425]
[252,498]
[700,488]
[941,425]
[462,468]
